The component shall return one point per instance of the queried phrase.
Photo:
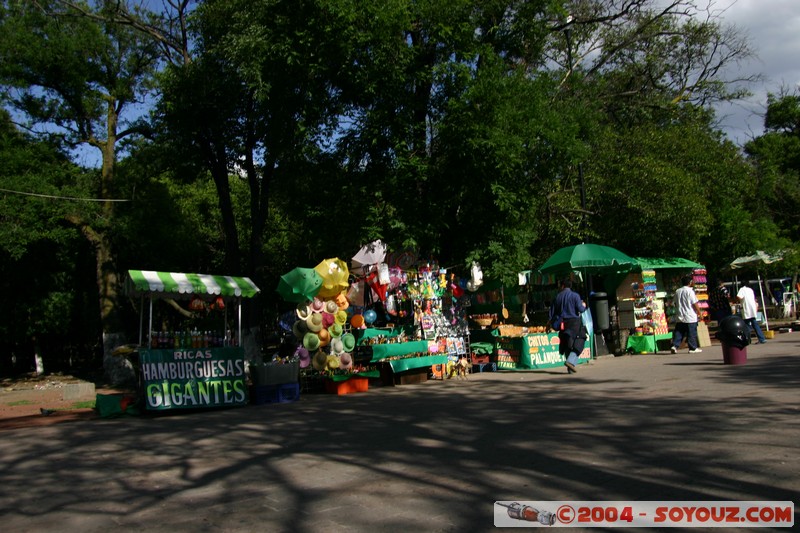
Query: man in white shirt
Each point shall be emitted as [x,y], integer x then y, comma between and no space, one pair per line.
[687,309]
[747,298]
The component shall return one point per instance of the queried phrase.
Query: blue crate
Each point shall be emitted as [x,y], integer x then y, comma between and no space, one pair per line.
[283,393]
[484,367]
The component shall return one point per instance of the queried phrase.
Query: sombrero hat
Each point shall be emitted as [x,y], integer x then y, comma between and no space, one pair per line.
[333,361]
[311,341]
[327,319]
[299,328]
[319,361]
[317,305]
[335,330]
[349,342]
[331,307]
[341,301]
[324,337]
[340,317]
[345,361]
[303,310]
[337,346]
[304,356]
[357,321]
[314,322]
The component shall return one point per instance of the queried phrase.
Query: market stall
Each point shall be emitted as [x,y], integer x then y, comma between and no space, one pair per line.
[193,357]
[401,359]
[388,315]
[599,268]
[644,300]
[757,262]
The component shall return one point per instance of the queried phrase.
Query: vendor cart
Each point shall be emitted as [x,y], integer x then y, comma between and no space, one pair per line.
[183,367]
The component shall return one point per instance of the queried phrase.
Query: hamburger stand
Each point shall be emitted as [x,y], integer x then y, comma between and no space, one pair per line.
[183,368]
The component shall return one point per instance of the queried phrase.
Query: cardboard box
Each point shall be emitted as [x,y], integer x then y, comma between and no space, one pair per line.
[703,338]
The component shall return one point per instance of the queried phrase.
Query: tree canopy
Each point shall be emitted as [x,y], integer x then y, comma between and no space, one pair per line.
[270,134]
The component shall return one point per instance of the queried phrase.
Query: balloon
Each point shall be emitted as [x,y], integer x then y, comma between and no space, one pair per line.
[370,316]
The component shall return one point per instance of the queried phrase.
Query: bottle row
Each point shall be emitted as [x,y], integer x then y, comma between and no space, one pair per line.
[192,339]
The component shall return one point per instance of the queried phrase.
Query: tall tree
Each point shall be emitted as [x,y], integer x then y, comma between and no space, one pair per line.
[73,78]
[776,156]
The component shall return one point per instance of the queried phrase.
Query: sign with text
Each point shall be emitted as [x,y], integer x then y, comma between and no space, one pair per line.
[535,351]
[193,378]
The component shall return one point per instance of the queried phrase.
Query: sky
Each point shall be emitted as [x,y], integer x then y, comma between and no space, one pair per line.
[773,27]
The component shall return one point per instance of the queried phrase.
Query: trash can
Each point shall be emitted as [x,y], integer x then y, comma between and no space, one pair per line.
[598,304]
[735,336]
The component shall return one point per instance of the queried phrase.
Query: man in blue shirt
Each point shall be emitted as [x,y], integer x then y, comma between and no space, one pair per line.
[565,317]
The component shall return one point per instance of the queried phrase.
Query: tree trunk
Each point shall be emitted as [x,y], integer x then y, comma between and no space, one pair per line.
[37,356]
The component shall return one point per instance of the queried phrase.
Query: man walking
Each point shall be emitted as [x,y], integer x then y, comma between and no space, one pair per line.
[747,298]
[565,317]
[687,309]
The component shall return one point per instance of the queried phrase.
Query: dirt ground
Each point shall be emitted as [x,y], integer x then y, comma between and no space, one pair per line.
[31,400]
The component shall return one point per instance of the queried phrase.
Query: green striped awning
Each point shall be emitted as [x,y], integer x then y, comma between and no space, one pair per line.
[175,282]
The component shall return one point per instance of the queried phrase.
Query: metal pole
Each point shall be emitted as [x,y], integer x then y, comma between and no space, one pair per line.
[763,304]
[141,317]
[151,320]
[239,305]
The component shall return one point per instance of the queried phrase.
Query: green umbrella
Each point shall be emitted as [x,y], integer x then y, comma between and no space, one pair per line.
[299,285]
[587,259]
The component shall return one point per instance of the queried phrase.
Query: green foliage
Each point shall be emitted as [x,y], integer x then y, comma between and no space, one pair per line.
[29,168]
[292,131]
[776,191]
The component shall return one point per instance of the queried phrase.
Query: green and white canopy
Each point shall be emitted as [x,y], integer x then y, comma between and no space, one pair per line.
[150,281]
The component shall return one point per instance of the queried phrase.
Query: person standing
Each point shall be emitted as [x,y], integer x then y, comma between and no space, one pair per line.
[565,317]
[747,298]
[687,309]
[720,302]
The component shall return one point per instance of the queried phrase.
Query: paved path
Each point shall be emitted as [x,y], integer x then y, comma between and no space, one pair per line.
[427,457]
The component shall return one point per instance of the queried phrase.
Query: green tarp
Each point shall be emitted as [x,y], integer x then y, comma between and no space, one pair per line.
[656,263]
[383,351]
[410,363]
[360,375]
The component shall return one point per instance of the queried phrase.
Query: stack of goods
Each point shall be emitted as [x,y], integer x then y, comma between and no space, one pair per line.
[643,294]
[701,289]
[484,320]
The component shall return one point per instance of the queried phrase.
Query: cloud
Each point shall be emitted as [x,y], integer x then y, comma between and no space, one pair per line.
[773,27]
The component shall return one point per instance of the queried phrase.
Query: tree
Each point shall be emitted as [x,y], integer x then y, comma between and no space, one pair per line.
[776,156]
[648,72]
[71,78]
[45,313]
